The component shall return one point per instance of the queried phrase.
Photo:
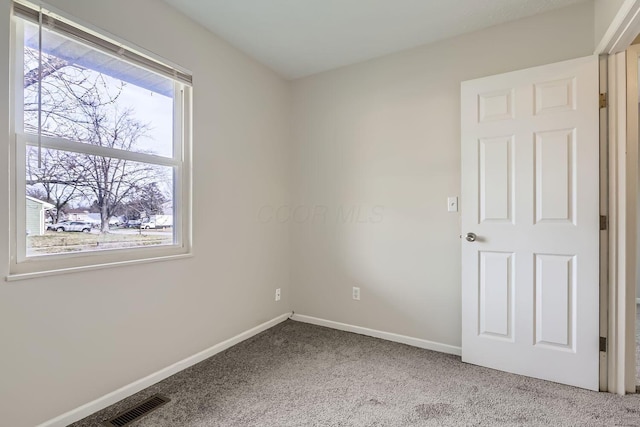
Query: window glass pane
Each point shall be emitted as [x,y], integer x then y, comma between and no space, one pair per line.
[94,98]
[79,202]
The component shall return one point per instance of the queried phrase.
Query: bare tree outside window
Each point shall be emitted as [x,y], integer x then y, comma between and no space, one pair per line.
[102,153]
[83,105]
[104,125]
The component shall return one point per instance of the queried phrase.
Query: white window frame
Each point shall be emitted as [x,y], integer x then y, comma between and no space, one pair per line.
[23,266]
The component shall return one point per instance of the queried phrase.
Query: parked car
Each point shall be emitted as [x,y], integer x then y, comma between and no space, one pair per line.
[82,226]
[133,223]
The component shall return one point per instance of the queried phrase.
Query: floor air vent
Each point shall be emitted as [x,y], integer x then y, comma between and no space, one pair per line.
[133,414]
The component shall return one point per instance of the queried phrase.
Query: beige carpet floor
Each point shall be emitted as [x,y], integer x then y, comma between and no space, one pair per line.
[297,374]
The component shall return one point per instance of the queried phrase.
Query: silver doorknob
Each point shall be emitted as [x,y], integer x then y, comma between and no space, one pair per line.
[471,237]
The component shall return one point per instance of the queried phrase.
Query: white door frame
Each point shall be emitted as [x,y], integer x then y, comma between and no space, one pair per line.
[604,234]
[622,174]
[628,335]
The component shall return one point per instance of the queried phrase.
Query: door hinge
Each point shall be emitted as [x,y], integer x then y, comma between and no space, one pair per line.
[603,344]
[603,222]
[603,100]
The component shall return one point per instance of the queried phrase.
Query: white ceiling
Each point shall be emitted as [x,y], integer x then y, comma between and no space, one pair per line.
[298,38]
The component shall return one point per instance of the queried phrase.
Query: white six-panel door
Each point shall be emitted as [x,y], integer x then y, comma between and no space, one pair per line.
[530,177]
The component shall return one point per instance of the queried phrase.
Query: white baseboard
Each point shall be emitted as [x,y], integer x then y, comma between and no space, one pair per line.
[415,342]
[130,389]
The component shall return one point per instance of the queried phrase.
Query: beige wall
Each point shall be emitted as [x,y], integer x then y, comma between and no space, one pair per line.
[604,12]
[386,134]
[66,340]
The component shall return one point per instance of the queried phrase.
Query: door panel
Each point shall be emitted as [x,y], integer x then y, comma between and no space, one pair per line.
[556,96]
[530,192]
[554,165]
[496,290]
[554,289]
[496,179]
[497,105]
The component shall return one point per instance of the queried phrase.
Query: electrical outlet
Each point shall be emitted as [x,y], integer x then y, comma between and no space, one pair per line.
[278,294]
[356,293]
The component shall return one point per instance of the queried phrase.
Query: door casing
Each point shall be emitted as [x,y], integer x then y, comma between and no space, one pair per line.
[618,175]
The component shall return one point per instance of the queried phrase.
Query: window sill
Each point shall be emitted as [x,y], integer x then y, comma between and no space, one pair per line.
[46,273]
